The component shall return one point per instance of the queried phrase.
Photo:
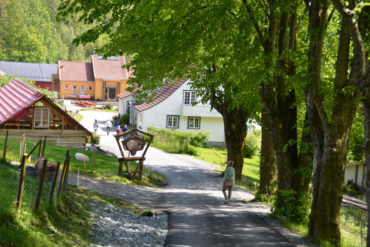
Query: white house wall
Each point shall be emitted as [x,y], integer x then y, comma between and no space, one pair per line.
[157,117]
[122,104]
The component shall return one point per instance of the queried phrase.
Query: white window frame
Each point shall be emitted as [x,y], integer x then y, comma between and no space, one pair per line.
[66,87]
[190,97]
[42,124]
[170,121]
[194,124]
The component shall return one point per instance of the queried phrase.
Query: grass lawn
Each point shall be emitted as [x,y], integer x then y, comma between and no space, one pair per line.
[105,166]
[66,223]
[250,175]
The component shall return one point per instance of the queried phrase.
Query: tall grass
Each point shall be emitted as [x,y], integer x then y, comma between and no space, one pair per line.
[67,224]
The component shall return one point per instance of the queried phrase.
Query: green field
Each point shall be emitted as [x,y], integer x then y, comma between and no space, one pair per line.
[105,166]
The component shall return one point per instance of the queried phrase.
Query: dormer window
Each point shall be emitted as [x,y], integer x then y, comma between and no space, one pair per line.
[190,97]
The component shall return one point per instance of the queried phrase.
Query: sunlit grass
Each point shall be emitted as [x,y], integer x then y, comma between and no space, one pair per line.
[105,167]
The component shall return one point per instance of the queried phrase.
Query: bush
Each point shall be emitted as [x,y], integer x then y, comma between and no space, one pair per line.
[94,139]
[178,142]
[252,145]
[125,119]
[108,106]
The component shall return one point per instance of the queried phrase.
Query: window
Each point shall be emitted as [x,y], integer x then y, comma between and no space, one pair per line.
[66,87]
[74,91]
[194,123]
[90,88]
[41,117]
[172,122]
[190,97]
[82,91]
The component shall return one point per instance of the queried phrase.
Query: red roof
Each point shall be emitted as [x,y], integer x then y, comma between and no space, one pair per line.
[75,71]
[15,97]
[162,94]
[124,94]
[110,68]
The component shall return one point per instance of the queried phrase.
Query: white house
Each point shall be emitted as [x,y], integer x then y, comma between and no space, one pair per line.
[173,108]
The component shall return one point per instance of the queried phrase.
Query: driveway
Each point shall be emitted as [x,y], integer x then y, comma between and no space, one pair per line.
[194,201]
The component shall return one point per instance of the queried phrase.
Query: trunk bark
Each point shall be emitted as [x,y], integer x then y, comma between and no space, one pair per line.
[366,103]
[360,73]
[268,168]
[330,133]
[235,133]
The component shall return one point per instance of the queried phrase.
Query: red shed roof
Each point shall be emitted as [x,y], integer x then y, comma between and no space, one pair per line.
[162,94]
[15,97]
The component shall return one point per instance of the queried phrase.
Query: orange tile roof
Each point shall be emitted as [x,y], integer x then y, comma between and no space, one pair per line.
[110,68]
[162,94]
[75,71]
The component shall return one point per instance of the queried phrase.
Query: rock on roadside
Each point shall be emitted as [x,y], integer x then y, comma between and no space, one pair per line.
[114,226]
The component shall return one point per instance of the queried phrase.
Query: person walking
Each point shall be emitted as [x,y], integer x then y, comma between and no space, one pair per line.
[108,126]
[229,181]
[96,125]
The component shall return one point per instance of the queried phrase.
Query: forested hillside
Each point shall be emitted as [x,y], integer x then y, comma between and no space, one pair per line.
[30,33]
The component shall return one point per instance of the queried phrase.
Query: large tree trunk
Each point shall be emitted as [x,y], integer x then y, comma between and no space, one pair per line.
[360,73]
[235,124]
[268,168]
[330,133]
[366,103]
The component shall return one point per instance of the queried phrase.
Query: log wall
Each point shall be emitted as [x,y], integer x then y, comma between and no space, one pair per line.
[65,138]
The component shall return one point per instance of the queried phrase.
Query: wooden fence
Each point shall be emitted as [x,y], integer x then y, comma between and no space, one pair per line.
[55,189]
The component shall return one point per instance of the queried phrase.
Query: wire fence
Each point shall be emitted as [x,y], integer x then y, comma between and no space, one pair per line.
[354,223]
[23,186]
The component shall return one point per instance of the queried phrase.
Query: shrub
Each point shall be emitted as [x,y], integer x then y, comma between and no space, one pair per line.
[125,119]
[108,106]
[197,139]
[94,139]
[252,145]
[178,142]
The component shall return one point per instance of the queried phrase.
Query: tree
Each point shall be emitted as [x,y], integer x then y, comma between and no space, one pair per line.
[331,106]
[205,41]
[277,27]
[357,19]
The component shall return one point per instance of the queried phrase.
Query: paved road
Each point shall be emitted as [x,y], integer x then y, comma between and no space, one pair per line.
[193,199]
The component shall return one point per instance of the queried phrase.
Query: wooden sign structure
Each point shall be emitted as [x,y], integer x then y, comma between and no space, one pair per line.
[132,145]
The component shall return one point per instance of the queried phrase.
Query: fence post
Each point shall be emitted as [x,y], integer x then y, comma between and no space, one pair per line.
[43,146]
[65,167]
[22,144]
[39,152]
[65,182]
[93,161]
[5,144]
[54,183]
[42,179]
[21,183]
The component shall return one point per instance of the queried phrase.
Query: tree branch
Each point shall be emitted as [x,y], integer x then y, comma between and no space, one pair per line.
[359,58]
[255,23]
